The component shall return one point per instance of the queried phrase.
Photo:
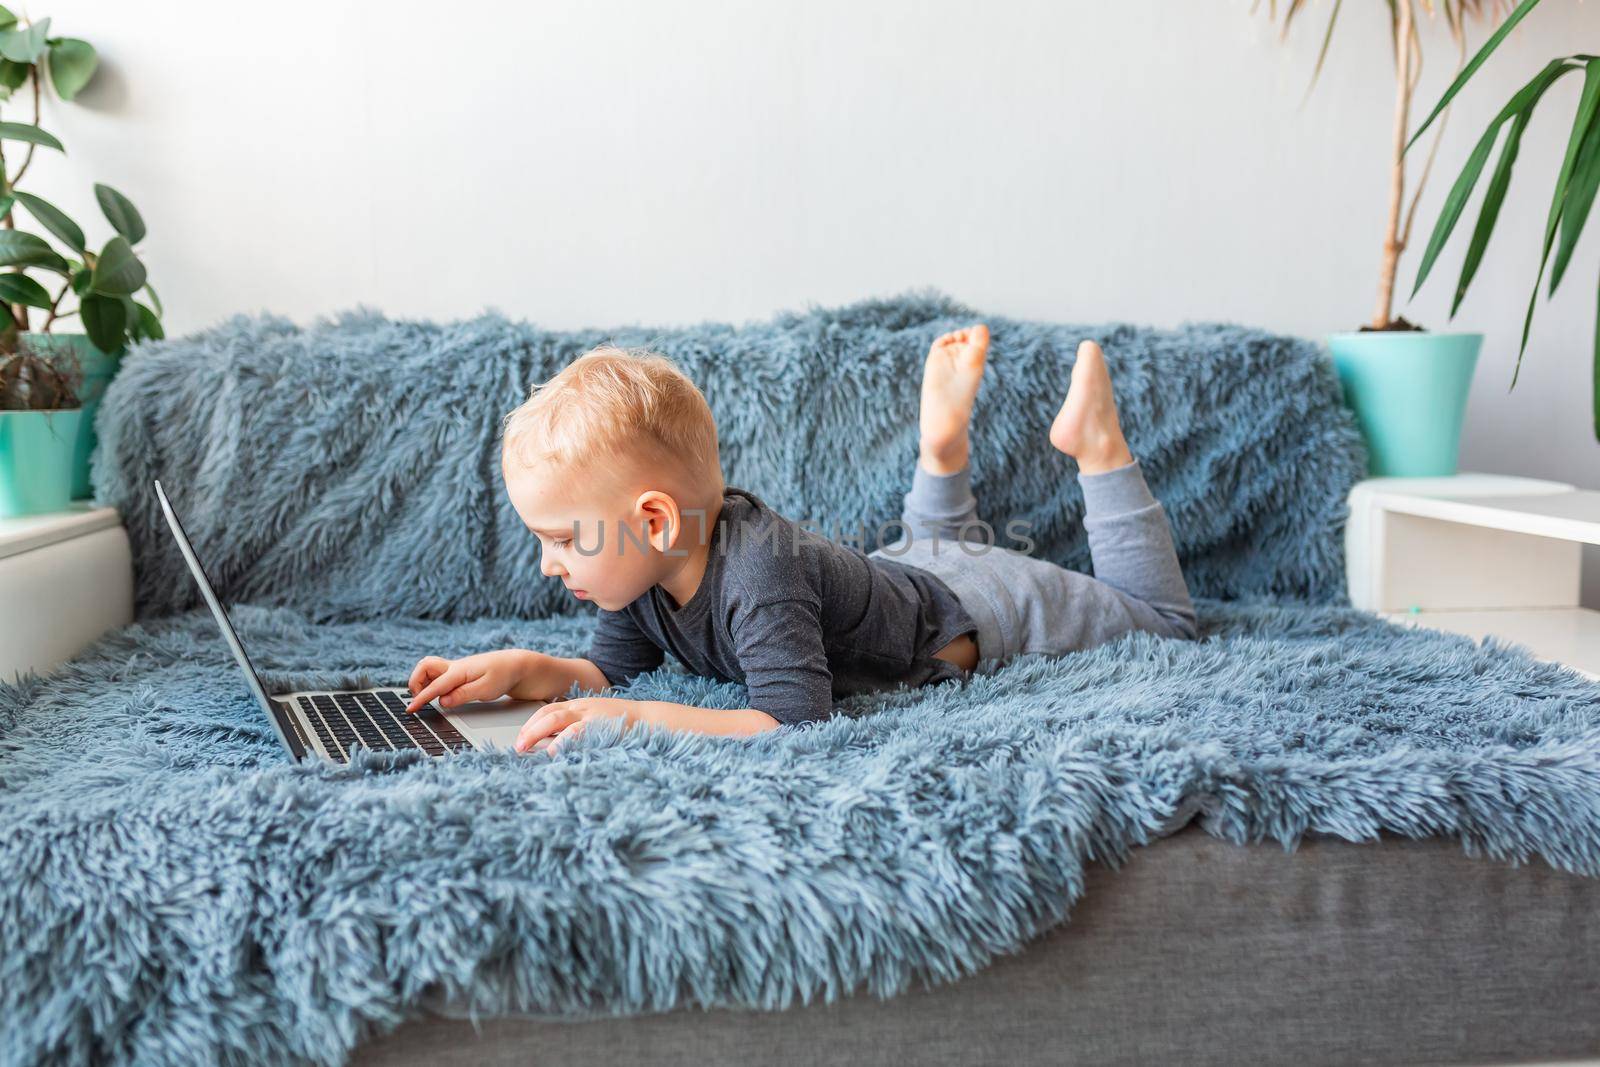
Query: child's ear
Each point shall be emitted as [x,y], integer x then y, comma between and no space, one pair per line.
[661,512]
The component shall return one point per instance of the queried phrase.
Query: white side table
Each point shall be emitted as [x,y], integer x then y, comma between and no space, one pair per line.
[65,579]
[1478,554]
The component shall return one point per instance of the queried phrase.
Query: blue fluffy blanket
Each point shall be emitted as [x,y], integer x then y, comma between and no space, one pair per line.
[351,470]
[175,891]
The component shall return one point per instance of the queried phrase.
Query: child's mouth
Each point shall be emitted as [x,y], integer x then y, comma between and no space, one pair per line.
[581,594]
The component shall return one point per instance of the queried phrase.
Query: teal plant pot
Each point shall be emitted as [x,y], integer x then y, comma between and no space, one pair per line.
[98,370]
[1409,394]
[37,449]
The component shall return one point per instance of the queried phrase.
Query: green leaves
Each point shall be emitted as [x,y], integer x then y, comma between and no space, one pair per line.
[1586,109]
[1489,214]
[104,285]
[1581,187]
[1456,200]
[24,46]
[105,320]
[120,212]
[53,219]
[1572,202]
[28,250]
[12,75]
[118,271]
[72,63]
[21,289]
[1472,66]
[22,131]
[149,324]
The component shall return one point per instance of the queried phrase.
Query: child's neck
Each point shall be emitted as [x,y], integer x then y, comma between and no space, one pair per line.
[683,583]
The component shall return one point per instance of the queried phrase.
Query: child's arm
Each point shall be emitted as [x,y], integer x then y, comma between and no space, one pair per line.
[547,677]
[564,719]
[785,663]
[519,673]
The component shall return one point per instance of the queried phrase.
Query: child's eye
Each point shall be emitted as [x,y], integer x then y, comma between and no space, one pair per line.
[561,542]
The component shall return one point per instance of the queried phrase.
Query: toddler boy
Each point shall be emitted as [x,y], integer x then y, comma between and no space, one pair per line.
[613,465]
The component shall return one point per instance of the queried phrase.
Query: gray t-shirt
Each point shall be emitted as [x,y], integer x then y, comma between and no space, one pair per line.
[798,618]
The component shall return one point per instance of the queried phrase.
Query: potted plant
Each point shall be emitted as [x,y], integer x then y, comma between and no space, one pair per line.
[1577,181]
[1407,386]
[40,415]
[67,370]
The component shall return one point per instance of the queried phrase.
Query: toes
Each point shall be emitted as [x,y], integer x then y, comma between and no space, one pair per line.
[972,335]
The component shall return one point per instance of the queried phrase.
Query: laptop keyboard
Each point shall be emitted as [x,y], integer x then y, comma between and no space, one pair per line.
[346,721]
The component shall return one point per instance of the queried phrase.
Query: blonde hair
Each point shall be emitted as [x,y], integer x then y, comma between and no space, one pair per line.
[613,407]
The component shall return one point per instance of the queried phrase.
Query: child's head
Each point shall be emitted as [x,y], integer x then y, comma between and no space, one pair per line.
[616,453]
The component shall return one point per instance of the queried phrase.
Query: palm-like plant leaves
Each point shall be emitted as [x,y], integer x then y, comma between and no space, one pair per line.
[1520,108]
[1580,127]
[1577,183]
[1472,65]
[1580,195]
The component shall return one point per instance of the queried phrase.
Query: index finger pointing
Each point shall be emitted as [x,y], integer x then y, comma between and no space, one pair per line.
[427,667]
[442,684]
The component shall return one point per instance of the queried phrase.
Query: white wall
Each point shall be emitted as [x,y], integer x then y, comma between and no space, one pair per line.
[595,163]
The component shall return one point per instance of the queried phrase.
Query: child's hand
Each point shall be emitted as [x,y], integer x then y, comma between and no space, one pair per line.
[486,676]
[562,720]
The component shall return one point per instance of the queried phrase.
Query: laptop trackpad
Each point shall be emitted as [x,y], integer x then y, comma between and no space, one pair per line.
[493,723]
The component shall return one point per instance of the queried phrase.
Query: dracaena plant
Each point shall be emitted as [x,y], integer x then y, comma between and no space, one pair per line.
[99,287]
[1405,45]
[1576,184]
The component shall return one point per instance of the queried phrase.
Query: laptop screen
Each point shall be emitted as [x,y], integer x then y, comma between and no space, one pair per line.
[225,625]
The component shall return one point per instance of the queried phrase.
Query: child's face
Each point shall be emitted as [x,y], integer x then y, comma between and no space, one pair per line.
[595,539]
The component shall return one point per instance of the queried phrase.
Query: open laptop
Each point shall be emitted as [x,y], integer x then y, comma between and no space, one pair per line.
[333,725]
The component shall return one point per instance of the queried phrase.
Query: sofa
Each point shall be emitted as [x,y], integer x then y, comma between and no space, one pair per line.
[1309,833]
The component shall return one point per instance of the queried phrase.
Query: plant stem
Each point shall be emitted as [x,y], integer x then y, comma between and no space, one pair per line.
[54,305]
[22,314]
[1393,243]
[8,223]
[6,183]
[1433,149]
[33,77]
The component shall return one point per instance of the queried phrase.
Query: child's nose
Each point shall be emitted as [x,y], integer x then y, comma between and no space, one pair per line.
[549,566]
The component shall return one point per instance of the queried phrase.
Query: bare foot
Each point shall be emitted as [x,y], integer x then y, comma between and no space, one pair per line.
[950,380]
[1087,428]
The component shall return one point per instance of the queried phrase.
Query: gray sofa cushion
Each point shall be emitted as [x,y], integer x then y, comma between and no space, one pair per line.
[1195,952]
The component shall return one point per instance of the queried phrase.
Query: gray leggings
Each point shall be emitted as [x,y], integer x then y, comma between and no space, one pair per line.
[1022,604]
